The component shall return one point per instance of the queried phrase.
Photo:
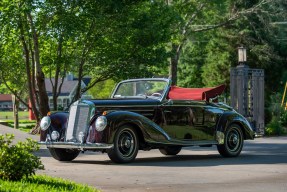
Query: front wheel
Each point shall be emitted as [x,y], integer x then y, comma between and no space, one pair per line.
[233,142]
[63,154]
[126,145]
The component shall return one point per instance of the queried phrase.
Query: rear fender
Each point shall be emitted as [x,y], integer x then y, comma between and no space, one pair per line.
[229,118]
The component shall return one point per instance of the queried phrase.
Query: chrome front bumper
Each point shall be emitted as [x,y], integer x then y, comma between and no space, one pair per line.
[72,145]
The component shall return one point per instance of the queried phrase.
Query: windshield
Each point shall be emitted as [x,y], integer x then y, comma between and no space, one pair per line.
[153,89]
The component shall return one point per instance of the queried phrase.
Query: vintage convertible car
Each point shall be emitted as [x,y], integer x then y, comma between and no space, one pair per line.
[145,114]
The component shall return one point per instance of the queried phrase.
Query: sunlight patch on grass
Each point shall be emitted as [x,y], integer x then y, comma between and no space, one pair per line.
[42,183]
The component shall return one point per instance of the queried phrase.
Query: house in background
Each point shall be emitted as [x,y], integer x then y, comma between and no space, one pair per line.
[6,103]
[68,90]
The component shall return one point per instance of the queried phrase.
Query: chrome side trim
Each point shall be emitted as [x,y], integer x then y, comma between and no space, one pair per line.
[185,143]
[72,145]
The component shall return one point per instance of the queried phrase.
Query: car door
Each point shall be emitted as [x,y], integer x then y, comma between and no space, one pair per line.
[185,120]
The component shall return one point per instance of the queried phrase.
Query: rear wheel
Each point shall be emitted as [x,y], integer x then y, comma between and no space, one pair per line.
[126,145]
[233,142]
[170,150]
[64,154]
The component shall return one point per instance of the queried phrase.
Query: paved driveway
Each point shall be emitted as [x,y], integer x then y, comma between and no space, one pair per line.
[262,166]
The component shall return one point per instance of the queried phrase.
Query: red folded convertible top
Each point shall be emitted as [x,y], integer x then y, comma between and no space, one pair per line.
[179,93]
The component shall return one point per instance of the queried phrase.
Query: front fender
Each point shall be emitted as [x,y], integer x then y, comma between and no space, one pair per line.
[228,118]
[58,123]
[151,131]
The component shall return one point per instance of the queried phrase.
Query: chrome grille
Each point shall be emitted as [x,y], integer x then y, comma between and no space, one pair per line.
[79,117]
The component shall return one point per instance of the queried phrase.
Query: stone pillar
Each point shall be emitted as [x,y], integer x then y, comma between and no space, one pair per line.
[247,94]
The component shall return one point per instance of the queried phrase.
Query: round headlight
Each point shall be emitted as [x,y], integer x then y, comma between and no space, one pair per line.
[45,123]
[55,135]
[101,123]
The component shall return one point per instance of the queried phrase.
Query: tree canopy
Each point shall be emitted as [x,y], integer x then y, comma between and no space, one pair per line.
[193,41]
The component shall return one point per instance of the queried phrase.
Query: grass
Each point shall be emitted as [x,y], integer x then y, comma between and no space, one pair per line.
[42,183]
[8,115]
[36,183]
[24,125]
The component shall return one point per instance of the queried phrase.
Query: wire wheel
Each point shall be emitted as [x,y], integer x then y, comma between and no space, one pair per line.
[233,142]
[126,145]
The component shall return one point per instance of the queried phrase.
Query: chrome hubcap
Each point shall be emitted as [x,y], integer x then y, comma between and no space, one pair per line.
[126,143]
[233,140]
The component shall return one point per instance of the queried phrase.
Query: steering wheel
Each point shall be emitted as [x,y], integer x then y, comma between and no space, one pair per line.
[156,94]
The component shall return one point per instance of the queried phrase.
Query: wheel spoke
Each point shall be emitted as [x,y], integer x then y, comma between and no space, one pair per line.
[233,140]
[126,143]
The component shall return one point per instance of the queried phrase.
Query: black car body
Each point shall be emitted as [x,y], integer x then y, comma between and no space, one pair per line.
[145,114]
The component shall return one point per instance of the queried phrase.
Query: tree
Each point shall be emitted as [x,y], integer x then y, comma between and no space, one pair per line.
[11,73]
[102,39]
[201,16]
[17,21]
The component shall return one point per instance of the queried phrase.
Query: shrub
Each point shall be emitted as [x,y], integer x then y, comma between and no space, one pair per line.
[275,127]
[17,161]
[283,118]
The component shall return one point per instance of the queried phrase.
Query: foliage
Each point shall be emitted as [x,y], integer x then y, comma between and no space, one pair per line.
[190,68]
[283,118]
[17,161]
[102,39]
[208,55]
[128,39]
[41,183]
[102,90]
[275,127]
[3,89]
[278,117]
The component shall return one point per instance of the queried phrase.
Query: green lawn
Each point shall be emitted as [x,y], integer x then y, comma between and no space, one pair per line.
[8,115]
[41,183]
[6,118]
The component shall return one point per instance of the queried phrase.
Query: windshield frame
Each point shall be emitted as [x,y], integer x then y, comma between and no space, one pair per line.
[163,95]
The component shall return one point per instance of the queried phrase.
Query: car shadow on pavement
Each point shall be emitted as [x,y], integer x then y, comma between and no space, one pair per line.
[194,161]
[263,153]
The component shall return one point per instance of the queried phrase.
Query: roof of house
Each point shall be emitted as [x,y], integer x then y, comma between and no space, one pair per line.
[67,87]
[5,97]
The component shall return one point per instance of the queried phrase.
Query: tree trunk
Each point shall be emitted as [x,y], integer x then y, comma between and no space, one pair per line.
[40,77]
[28,71]
[40,92]
[174,63]
[56,86]
[80,75]
[15,111]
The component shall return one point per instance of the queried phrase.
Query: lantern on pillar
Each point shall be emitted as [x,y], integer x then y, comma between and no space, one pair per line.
[242,56]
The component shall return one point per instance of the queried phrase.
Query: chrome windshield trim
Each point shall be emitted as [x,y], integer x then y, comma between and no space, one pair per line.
[165,91]
[72,145]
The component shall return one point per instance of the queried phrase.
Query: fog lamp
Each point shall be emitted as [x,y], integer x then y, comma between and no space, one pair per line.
[55,135]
